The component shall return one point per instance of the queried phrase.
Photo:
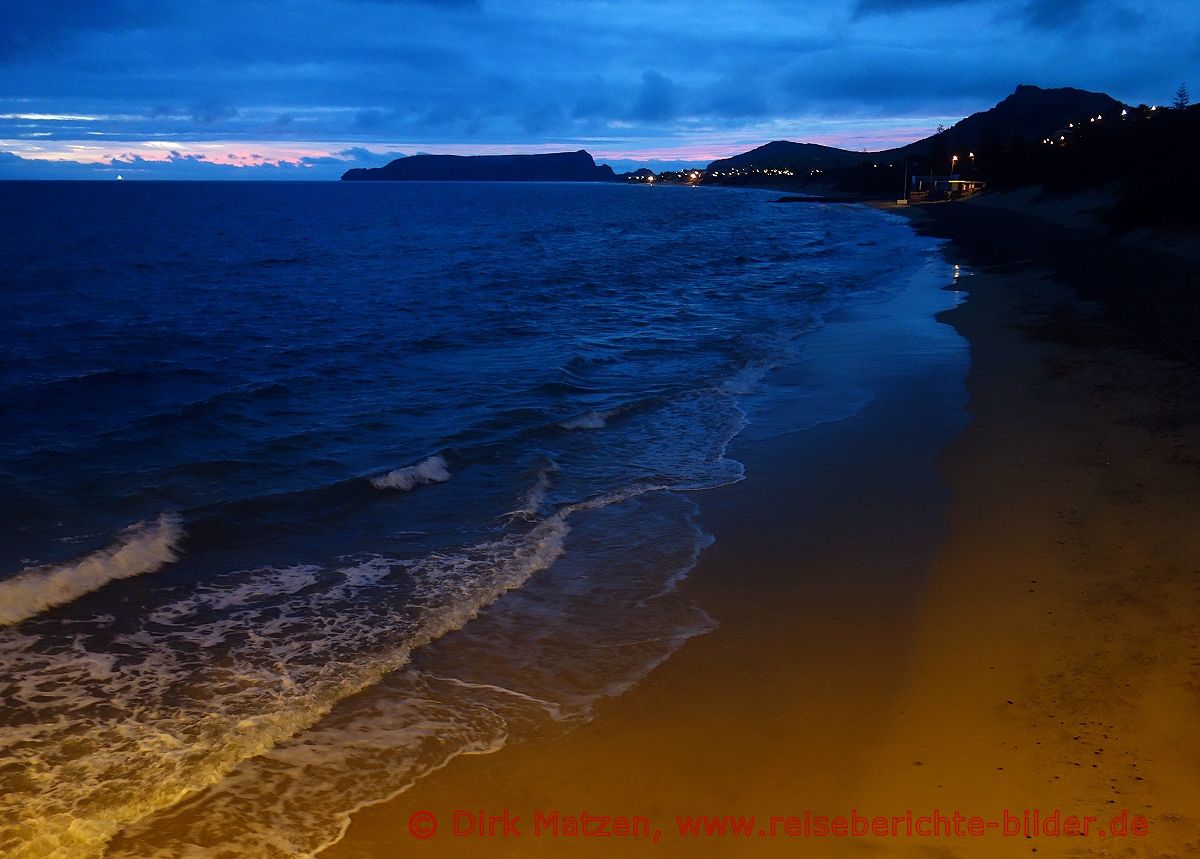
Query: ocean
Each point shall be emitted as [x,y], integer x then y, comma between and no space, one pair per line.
[307,489]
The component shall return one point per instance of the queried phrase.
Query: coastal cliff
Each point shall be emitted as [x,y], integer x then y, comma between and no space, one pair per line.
[549,167]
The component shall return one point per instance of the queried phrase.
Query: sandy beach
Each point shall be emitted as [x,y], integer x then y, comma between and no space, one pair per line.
[991,613]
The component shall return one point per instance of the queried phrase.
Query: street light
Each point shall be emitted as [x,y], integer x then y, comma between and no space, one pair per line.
[953,161]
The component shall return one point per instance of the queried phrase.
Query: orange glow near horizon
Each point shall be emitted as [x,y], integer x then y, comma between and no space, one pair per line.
[236,153]
[699,147]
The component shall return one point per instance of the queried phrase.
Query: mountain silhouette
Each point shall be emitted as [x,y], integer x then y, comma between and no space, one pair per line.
[1028,115]
[551,167]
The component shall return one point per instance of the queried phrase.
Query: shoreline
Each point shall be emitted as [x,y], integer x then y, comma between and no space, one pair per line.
[1046,657]
[819,545]
[1148,296]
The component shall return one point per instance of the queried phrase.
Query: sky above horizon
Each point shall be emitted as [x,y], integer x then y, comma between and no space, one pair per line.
[309,88]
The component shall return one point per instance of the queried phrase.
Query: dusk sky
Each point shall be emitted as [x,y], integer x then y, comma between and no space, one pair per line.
[308,88]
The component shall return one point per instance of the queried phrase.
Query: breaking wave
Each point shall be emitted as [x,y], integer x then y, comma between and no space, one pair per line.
[431,470]
[588,420]
[529,666]
[245,668]
[532,503]
[141,548]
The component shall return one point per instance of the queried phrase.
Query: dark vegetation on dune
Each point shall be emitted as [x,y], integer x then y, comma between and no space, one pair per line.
[1148,158]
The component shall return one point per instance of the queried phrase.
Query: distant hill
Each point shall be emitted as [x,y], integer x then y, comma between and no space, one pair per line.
[549,167]
[783,154]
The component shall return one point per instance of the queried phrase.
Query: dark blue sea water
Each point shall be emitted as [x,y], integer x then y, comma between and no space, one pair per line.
[262,447]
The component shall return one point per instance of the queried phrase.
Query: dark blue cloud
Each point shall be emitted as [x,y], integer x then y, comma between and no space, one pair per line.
[657,98]
[209,114]
[370,118]
[445,4]
[737,97]
[1048,15]
[866,8]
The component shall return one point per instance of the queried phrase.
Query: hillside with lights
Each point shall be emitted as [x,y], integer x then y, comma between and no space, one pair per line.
[1064,140]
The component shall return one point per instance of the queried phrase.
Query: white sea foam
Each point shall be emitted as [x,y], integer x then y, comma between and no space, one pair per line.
[229,594]
[431,470]
[532,503]
[279,650]
[141,548]
[467,694]
[251,660]
[747,379]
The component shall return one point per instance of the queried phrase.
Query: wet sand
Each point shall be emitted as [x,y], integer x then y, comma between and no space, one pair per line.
[1006,621]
